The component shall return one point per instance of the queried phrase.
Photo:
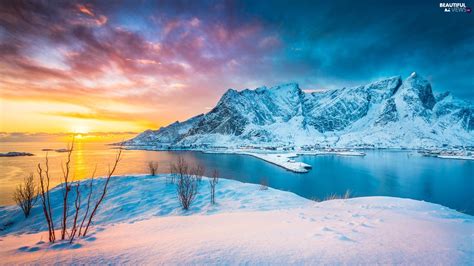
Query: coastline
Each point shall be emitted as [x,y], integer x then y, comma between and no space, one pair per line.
[275,157]
[284,159]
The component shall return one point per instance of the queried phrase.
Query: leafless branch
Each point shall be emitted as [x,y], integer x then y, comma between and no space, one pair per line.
[111,172]
[212,185]
[153,167]
[44,195]
[77,205]
[67,188]
[198,171]
[186,184]
[91,184]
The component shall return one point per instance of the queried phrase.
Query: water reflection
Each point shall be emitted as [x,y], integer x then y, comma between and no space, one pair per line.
[78,163]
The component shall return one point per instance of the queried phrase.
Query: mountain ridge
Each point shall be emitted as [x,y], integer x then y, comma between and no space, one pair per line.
[389,113]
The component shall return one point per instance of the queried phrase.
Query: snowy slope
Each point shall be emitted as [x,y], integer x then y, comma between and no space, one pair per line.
[391,113]
[140,222]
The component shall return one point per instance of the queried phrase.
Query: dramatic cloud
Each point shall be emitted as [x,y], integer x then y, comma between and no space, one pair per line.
[340,43]
[153,62]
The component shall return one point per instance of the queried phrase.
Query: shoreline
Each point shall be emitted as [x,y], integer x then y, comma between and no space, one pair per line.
[455,157]
[283,158]
[277,158]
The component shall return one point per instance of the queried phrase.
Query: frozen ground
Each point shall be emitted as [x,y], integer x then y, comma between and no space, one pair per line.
[141,223]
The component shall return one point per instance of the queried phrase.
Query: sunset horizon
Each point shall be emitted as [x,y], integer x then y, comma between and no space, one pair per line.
[100,67]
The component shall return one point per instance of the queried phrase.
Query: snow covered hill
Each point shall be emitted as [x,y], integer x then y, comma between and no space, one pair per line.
[141,222]
[391,113]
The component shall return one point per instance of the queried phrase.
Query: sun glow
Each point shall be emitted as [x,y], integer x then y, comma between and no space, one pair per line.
[78,130]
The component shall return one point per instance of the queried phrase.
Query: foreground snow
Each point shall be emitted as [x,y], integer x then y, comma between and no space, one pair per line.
[141,222]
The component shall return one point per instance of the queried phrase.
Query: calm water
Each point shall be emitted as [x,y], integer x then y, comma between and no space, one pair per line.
[380,173]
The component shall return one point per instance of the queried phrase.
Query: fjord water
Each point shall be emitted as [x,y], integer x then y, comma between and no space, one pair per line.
[380,173]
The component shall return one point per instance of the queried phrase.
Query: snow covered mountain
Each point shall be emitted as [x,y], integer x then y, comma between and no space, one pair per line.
[391,113]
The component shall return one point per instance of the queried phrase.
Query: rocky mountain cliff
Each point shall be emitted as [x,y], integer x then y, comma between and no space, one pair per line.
[391,113]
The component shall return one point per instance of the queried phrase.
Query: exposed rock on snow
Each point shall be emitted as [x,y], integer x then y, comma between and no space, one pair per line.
[141,222]
[390,113]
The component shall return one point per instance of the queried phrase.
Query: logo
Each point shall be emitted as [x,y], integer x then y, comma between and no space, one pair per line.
[455,8]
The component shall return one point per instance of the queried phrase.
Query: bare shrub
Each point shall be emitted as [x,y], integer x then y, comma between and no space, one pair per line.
[334,196]
[186,183]
[153,167]
[77,205]
[178,168]
[66,169]
[187,190]
[76,229]
[45,200]
[198,171]
[91,186]
[315,199]
[347,194]
[263,184]
[104,191]
[44,193]
[212,185]
[25,195]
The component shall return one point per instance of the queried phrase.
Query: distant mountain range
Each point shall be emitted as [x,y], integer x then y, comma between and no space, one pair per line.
[390,113]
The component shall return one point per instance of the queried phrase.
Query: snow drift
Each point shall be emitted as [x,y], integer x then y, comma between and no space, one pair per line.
[141,222]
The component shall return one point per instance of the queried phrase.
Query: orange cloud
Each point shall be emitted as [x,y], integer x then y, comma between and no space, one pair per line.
[66,58]
[85,10]
[99,20]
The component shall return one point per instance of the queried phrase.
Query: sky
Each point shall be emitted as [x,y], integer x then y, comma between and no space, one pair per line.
[126,66]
